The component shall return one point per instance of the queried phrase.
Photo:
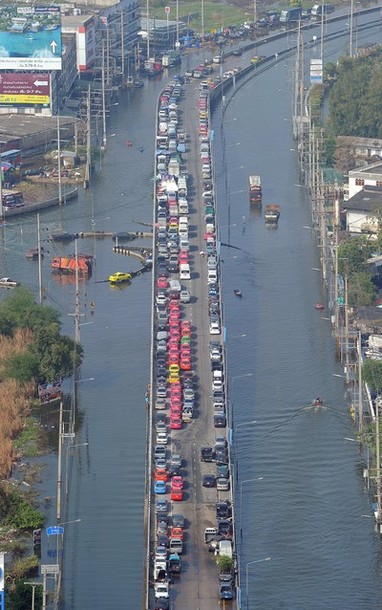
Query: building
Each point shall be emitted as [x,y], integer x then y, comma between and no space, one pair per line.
[364,210]
[83,27]
[370,175]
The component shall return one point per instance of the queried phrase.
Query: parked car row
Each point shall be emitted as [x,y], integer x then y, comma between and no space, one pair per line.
[174,385]
[219,453]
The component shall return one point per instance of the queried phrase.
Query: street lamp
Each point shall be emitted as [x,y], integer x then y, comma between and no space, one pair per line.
[246,574]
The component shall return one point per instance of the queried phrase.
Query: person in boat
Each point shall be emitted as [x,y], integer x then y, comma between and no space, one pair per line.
[237,292]
[318,402]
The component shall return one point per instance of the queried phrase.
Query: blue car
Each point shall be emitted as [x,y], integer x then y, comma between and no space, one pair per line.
[160,487]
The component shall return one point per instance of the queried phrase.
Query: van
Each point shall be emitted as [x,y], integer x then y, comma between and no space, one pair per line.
[210,533]
[176,546]
[183,220]
[225,548]
[212,276]
[184,271]
[322,9]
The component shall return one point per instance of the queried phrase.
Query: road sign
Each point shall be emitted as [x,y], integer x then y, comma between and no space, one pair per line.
[55,530]
[50,568]
[24,89]
[167,10]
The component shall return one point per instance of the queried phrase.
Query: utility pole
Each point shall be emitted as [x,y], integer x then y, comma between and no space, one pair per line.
[336,231]
[77,300]
[202,20]
[351,28]
[123,50]
[59,161]
[148,30]
[378,467]
[104,140]
[360,393]
[346,330]
[254,12]
[59,464]
[39,258]
[88,142]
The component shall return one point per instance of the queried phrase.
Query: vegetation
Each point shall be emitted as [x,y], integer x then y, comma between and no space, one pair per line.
[354,102]
[16,511]
[372,374]
[225,563]
[216,15]
[352,257]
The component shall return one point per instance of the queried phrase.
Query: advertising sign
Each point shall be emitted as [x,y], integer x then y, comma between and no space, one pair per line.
[24,89]
[30,38]
[316,71]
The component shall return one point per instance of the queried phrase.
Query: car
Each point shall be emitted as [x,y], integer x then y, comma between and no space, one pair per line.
[116,278]
[161,391]
[173,368]
[160,462]
[174,470]
[175,422]
[185,350]
[161,298]
[221,457]
[162,604]
[220,443]
[160,425]
[185,339]
[174,304]
[177,482]
[225,528]
[208,480]
[176,392]
[185,327]
[176,495]
[214,327]
[160,402]
[222,484]
[184,296]
[178,520]
[177,532]
[223,509]
[162,282]
[160,487]
[217,384]
[183,257]
[159,451]
[226,591]
[160,474]
[161,505]
[161,589]
[162,540]
[176,459]
[185,363]
[207,454]
[162,436]
[222,470]
[220,420]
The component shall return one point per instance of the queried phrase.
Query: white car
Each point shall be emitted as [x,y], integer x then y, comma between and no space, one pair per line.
[162,438]
[214,328]
[161,590]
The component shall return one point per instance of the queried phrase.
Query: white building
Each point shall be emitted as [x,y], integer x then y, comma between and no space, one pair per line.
[370,175]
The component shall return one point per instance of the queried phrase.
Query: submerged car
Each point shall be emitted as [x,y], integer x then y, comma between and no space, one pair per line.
[119,277]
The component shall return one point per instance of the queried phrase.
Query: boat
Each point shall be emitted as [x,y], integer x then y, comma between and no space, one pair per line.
[319,306]
[318,402]
[138,84]
[32,254]
[7,282]
[64,236]
[70,264]
[255,193]
[272,213]
[238,292]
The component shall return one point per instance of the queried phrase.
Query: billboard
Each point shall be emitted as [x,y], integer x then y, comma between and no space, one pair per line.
[30,38]
[24,89]
[316,72]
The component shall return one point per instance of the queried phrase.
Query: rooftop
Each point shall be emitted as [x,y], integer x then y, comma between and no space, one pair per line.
[365,200]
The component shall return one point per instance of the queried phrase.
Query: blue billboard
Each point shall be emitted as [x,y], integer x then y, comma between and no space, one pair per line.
[30,38]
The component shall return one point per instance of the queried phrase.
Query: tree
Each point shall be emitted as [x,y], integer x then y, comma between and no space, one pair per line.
[353,254]
[372,374]
[22,367]
[361,290]
[57,355]
[225,563]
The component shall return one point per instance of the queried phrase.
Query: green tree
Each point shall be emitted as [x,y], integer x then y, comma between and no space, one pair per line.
[225,563]
[353,254]
[57,355]
[372,374]
[361,290]
[21,367]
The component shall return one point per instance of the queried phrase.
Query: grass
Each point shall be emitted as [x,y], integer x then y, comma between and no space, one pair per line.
[216,15]
[28,440]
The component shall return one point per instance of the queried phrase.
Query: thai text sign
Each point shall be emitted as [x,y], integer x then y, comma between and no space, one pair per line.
[24,89]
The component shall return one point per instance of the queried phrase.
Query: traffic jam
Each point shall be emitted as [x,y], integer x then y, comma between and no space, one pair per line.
[174,383]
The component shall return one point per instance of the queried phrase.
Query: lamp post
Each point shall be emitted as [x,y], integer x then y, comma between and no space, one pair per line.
[247,572]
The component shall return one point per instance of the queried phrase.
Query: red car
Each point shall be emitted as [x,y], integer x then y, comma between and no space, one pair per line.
[177,532]
[161,474]
[185,351]
[176,495]
[186,327]
[185,364]
[162,282]
[173,304]
[176,394]
[175,334]
[177,482]
[175,403]
[175,422]
[183,257]
[173,342]
[173,359]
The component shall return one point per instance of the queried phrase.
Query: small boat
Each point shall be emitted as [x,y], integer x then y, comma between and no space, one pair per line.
[129,143]
[69,264]
[6,282]
[318,402]
[138,84]
[238,292]
[32,254]
[319,306]
[64,236]
[272,213]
